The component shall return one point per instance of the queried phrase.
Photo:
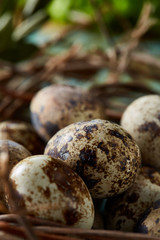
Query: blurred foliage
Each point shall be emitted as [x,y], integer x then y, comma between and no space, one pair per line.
[19,18]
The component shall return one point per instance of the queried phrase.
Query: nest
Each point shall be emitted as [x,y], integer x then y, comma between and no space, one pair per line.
[19,83]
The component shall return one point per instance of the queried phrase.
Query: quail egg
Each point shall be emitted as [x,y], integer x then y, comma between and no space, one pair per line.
[142,120]
[23,133]
[149,222]
[101,152]
[51,190]
[123,211]
[16,151]
[57,106]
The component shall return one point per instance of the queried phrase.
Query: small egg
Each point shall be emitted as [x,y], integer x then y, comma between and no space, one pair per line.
[149,222]
[123,211]
[23,133]
[142,120]
[49,189]
[16,151]
[57,106]
[101,152]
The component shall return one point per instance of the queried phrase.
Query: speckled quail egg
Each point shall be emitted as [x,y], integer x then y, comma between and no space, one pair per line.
[57,106]
[149,222]
[51,190]
[23,133]
[142,120]
[122,212]
[101,152]
[16,151]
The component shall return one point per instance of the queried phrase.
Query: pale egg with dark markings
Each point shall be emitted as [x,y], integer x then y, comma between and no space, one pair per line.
[22,133]
[101,152]
[56,106]
[142,120]
[51,190]
[16,151]
[123,212]
[149,223]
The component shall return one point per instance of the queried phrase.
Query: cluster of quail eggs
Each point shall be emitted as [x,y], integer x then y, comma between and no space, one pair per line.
[71,159]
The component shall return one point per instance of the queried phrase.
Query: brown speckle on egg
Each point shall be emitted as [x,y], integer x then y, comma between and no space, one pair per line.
[101,152]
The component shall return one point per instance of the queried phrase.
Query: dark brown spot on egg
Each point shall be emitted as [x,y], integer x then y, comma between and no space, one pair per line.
[150,173]
[103,147]
[47,192]
[157,220]
[151,127]
[71,215]
[119,135]
[79,136]
[29,199]
[123,164]
[73,102]
[156,204]
[112,144]
[89,130]
[88,156]
[51,128]
[91,183]
[132,198]
[60,174]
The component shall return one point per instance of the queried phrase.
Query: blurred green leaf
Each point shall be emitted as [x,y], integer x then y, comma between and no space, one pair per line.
[29,7]
[58,9]
[28,25]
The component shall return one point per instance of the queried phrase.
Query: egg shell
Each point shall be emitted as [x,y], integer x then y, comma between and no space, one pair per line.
[16,151]
[22,133]
[149,221]
[122,212]
[142,120]
[57,106]
[101,152]
[49,189]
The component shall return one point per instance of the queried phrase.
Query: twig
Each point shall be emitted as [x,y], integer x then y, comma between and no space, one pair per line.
[19,231]
[143,24]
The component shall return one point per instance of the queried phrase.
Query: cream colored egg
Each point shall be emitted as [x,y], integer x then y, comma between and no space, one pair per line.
[56,106]
[123,212]
[101,152]
[149,221]
[16,152]
[22,133]
[51,190]
[142,120]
